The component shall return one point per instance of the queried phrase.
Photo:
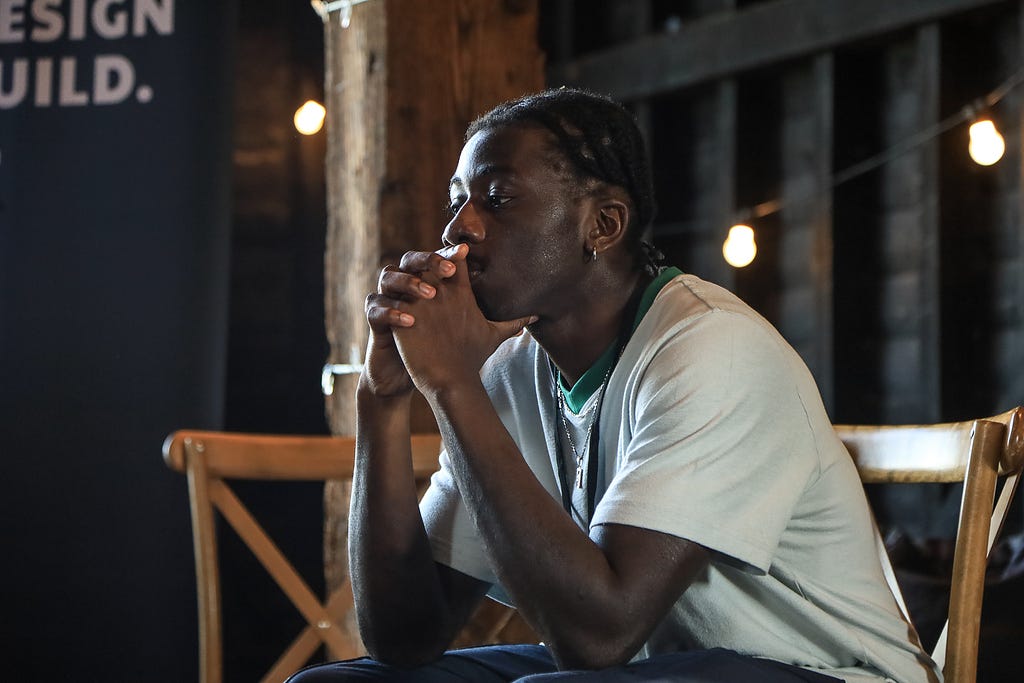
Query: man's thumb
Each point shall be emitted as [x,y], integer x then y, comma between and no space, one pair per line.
[510,328]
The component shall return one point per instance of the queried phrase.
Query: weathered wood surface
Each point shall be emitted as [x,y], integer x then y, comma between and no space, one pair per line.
[729,43]
[909,211]
[356,94]
[805,253]
[402,81]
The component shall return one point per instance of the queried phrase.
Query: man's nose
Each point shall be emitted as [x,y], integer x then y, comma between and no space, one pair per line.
[465,226]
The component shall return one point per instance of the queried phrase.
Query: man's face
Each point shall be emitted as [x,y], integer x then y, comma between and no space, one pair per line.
[524,227]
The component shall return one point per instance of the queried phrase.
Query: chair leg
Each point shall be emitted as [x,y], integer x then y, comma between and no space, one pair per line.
[204,540]
[295,657]
[311,637]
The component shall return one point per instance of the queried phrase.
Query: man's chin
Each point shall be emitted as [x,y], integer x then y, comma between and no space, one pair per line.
[493,309]
[490,312]
[482,300]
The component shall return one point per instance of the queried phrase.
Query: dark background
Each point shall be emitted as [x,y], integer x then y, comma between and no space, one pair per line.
[114,260]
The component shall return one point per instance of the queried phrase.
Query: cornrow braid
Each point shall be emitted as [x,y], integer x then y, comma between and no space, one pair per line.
[599,138]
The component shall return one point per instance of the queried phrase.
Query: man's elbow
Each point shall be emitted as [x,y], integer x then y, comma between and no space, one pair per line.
[591,653]
[406,653]
[402,640]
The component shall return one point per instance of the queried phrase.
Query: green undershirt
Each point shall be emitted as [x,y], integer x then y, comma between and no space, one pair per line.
[591,379]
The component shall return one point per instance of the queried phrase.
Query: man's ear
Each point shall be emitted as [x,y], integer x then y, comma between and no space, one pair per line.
[610,222]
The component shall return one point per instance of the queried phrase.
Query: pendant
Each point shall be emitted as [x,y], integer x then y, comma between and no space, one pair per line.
[579,473]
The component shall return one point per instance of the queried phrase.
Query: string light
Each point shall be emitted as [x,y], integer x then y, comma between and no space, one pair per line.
[987,145]
[739,248]
[986,148]
[309,118]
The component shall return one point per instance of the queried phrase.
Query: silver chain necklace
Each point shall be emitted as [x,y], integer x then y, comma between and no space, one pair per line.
[626,327]
[596,409]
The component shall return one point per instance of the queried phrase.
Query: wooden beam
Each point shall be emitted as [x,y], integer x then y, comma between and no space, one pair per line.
[822,270]
[356,91]
[729,43]
[355,84]
[724,187]
[805,255]
[929,332]
[1014,382]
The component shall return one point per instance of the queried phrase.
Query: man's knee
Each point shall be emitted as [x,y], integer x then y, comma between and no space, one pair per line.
[364,669]
[488,664]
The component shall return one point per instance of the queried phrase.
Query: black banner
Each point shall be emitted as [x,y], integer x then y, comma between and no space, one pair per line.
[114,223]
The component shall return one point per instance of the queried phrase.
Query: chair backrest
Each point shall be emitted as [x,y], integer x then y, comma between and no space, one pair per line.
[208,459]
[976,453]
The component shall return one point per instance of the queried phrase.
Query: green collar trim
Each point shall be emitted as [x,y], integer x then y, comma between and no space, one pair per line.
[592,378]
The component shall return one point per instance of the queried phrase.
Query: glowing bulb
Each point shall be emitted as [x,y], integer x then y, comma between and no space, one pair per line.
[739,248]
[309,118]
[987,145]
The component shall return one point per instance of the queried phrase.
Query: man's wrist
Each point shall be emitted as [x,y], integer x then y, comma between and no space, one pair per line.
[451,395]
[369,400]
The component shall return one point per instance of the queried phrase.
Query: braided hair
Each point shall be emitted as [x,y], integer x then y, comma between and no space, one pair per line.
[599,139]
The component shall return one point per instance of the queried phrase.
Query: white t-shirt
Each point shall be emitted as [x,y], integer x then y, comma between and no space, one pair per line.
[712,429]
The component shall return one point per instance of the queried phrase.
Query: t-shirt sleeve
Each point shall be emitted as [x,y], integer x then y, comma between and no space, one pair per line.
[714,418]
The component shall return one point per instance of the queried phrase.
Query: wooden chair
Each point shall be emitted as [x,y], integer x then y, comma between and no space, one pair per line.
[209,459]
[975,453]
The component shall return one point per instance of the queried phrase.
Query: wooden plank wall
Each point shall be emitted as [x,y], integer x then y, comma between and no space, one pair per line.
[887,234]
[908,235]
[805,243]
[982,314]
[902,288]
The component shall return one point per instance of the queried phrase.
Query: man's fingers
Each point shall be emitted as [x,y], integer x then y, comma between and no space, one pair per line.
[418,273]
[454,252]
[416,261]
[436,263]
[398,285]
[382,313]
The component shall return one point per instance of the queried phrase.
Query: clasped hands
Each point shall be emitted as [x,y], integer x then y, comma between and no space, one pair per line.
[426,328]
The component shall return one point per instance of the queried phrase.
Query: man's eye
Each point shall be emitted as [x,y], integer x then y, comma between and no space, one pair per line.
[454,206]
[497,199]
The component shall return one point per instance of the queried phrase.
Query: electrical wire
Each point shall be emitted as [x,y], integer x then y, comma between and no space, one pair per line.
[962,115]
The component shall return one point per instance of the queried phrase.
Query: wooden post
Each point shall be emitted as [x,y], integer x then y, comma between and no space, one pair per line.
[403,81]
[355,87]
[909,250]
[805,254]
[718,200]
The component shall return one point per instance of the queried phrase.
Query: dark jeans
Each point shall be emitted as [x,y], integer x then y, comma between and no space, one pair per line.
[533,664]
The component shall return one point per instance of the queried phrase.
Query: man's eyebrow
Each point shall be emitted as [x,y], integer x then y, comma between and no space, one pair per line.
[483,172]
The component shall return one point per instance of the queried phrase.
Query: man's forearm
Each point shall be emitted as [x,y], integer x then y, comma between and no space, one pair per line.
[558,577]
[400,604]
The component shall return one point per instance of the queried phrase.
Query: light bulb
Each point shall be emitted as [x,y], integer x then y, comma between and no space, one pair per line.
[309,118]
[739,248]
[987,145]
